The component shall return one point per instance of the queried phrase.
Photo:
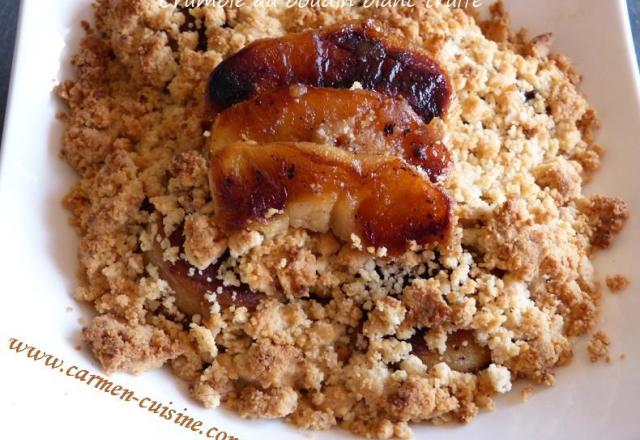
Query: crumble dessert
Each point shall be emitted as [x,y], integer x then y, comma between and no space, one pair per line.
[300,320]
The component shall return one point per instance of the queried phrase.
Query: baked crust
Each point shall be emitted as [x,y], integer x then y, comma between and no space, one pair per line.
[330,342]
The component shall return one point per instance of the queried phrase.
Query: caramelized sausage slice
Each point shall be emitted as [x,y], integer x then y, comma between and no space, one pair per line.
[335,57]
[383,200]
[361,121]
[463,352]
[191,285]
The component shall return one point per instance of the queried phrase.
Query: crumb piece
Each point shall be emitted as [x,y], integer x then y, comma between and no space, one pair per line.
[269,404]
[204,243]
[617,283]
[561,178]
[385,318]
[425,304]
[205,342]
[206,394]
[298,273]
[297,90]
[242,242]
[607,216]
[497,28]
[500,378]
[526,393]
[122,347]
[539,46]
[356,242]
[598,347]
[564,64]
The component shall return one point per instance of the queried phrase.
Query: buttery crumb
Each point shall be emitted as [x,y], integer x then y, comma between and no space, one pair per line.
[526,393]
[598,347]
[617,283]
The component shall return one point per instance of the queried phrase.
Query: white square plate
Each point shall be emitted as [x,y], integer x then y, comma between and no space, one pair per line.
[38,257]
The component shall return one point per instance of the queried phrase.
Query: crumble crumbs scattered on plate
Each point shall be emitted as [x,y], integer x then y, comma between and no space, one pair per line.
[617,283]
[526,392]
[598,347]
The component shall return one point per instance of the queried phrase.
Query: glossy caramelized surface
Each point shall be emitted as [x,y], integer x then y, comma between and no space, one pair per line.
[362,121]
[383,200]
[335,57]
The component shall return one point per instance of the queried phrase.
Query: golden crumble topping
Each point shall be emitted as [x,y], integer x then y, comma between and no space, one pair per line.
[335,334]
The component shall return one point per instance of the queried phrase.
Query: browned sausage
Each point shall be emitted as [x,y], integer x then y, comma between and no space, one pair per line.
[358,120]
[383,200]
[191,285]
[334,57]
